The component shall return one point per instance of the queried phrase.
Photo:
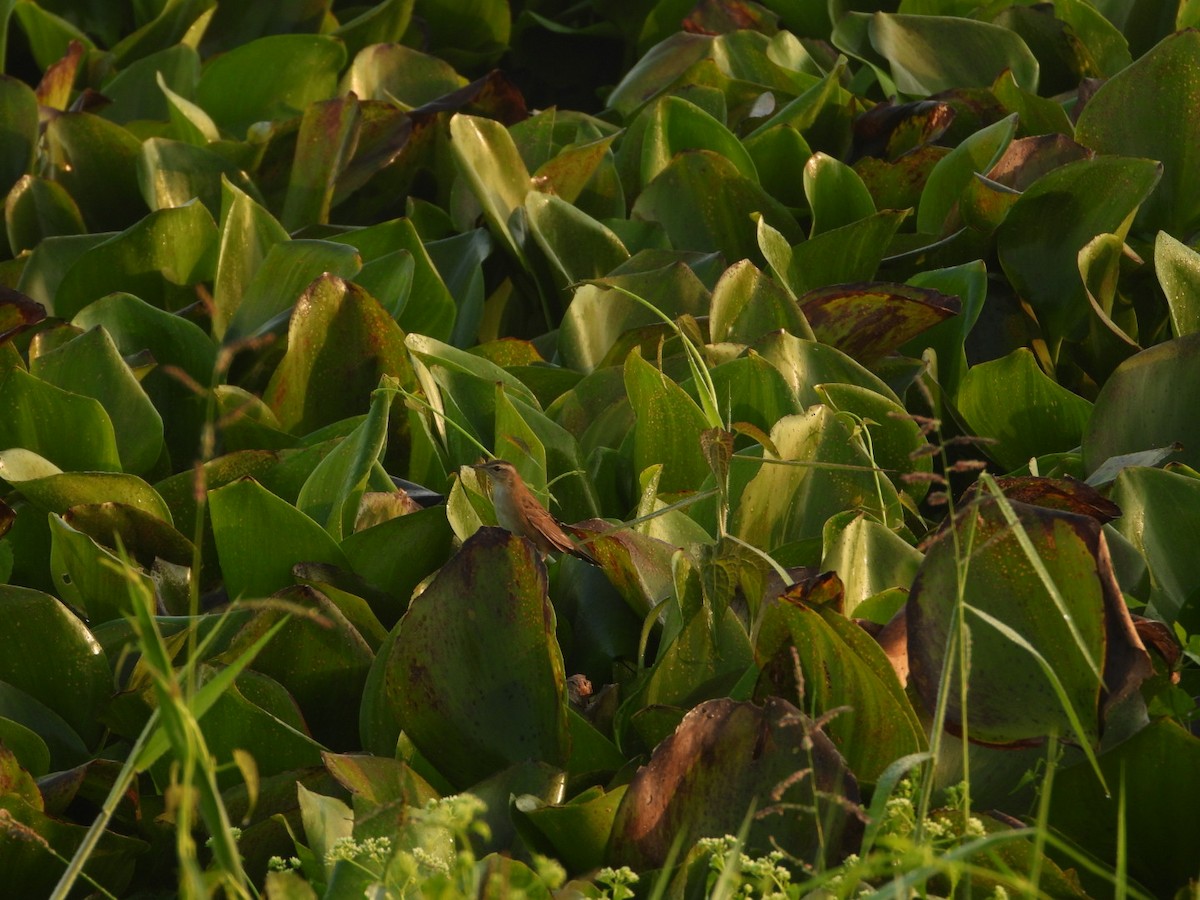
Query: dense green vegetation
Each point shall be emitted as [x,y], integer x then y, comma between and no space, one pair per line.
[859,338]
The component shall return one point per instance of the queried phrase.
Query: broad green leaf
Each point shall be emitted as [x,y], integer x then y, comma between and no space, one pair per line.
[577,830]
[50,655]
[136,326]
[474,711]
[173,172]
[329,132]
[1178,268]
[1014,403]
[824,470]
[96,161]
[72,431]
[19,112]
[110,862]
[679,200]
[321,658]
[488,161]
[842,666]
[160,259]
[847,254]
[56,491]
[21,708]
[49,35]
[1039,240]
[37,209]
[867,557]
[956,170]
[260,537]
[721,761]
[1038,644]
[836,194]
[747,305]
[750,389]
[929,54]
[90,577]
[576,246]
[140,91]
[1145,111]
[432,312]
[189,123]
[1156,771]
[268,79]
[167,27]
[967,282]
[248,232]
[598,316]
[396,555]
[807,364]
[340,342]
[332,492]
[1149,402]
[774,153]
[27,748]
[668,427]
[894,436]
[288,270]
[91,366]
[1159,510]
[677,125]
[393,71]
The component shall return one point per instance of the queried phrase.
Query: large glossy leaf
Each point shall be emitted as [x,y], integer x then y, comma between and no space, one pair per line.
[867,557]
[677,125]
[724,758]
[929,54]
[91,578]
[836,194]
[41,482]
[396,555]
[271,78]
[321,658]
[340,342]
[91,366]
[1178,269]
[1157,774]
[1159,510]
[841,666]
[173,172]
[72,431]
[678,199]
[1047,642]
[260,537]
[472,710]
[248,232]
[599,315]
[1014,403]
[159,259]
[1060,212]
[37,209]
[847,254]
[746,304]
[96,161]
[1148,403]
[50,655]
[821,470]
[19,111]
[955,172]
[384,71]
[332,493]
[1136,114]
[328,136]
[488,160]
[287,270]
[668,428]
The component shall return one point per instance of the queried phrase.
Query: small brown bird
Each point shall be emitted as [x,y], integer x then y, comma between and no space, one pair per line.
[520,512]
